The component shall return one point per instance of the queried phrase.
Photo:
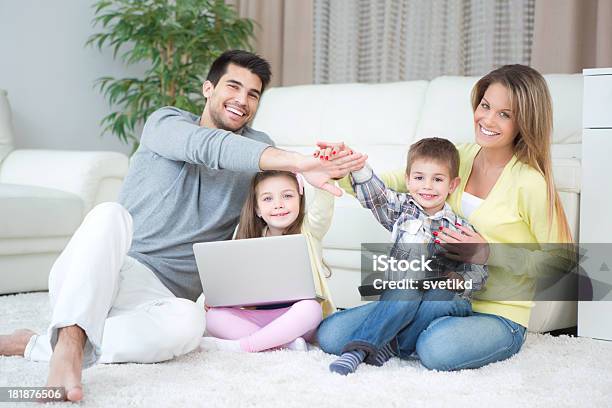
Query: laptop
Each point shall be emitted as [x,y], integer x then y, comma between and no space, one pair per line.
[256,271]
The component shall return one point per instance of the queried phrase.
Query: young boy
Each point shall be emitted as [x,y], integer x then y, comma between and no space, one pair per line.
[414,219]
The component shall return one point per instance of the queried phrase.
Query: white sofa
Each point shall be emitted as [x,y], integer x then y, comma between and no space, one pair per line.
[382,120]
[44,196]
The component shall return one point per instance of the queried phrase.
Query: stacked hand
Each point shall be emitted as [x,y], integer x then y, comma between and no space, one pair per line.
[331,161]
[476,250]
[332,150]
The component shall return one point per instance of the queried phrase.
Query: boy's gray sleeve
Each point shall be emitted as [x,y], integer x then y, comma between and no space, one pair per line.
[170,134]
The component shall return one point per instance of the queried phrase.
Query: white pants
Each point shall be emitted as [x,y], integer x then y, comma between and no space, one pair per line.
[126,312]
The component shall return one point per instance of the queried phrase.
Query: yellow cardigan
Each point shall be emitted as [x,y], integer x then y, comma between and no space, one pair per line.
[515,211]
[316,224]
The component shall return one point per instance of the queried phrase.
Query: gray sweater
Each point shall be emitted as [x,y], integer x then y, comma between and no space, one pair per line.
[186,184]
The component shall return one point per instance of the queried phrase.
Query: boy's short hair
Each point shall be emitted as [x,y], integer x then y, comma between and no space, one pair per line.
[244,59]
[436,149]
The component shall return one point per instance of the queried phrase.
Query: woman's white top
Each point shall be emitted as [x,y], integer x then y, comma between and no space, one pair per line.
[469,203]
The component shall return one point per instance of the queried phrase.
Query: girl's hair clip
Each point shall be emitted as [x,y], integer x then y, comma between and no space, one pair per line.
[300,181]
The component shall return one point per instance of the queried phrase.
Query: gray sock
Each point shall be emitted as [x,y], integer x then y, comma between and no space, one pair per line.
[348,362]
[383,355]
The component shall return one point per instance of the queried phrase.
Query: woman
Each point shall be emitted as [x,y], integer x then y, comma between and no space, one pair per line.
[507,192]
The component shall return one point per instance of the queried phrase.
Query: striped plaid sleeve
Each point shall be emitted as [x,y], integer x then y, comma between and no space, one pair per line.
[386,205]
[476,273]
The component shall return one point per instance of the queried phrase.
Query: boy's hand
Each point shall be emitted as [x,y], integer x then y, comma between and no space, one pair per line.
[476,249]
[455,280]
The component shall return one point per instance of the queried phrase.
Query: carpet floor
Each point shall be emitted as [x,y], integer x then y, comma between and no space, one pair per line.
[548,372]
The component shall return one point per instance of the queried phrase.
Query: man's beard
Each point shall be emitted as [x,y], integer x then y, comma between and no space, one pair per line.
[220,124]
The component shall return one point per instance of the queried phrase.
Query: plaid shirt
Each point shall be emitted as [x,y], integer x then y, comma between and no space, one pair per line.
[412,229]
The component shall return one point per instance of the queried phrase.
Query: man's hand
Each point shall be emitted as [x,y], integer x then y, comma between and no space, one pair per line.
[316,171]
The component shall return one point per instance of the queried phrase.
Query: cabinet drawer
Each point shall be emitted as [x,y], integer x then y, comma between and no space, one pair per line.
[597,102]
[596,192]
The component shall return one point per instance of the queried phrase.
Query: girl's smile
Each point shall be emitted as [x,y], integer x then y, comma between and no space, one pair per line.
[278,203]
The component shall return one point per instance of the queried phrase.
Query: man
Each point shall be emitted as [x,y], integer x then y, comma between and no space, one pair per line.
[123,288]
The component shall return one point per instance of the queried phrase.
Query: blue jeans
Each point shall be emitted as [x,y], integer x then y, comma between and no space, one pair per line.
[392,320]
[447,343]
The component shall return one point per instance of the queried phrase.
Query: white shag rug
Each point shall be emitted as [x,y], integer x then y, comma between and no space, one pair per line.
[548,372]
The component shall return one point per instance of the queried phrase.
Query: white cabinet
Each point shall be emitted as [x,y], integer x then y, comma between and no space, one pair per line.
[597,102]
[595,317]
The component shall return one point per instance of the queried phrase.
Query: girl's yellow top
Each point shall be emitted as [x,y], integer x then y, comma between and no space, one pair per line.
[316,223]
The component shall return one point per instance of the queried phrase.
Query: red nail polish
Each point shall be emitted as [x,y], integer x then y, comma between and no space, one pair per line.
[440,228]
[333,152]
[457,224]
[314,154]
[321,157]
[351,152]
[435,233]
[437,241]
[326,157]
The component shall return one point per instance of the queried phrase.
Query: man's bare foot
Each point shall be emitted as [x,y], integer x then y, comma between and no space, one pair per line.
[66,362]
[14,344]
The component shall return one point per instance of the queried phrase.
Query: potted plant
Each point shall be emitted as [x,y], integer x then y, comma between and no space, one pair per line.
[178,39]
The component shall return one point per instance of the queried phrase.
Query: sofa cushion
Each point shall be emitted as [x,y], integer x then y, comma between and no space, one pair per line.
[349,215]
[566,92]
[447,110]
[566,163]
[15,247]
[567,175]
[37,212]
[381,158]
[360,113]
[6,126]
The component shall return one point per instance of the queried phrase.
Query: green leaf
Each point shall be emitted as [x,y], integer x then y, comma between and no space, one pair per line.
[141,31]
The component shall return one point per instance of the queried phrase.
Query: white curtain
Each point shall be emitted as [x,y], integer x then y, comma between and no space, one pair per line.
[396,40]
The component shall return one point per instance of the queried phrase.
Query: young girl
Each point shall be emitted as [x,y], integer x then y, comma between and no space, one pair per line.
[275,206]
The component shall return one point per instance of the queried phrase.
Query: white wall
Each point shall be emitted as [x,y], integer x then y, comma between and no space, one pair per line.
[49,74]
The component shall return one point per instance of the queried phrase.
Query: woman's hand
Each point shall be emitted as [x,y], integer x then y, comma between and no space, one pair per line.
[329,150]
[317,172]
[467,246]
[334,151]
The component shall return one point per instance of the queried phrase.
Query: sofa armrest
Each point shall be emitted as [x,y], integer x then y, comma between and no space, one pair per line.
[86,174]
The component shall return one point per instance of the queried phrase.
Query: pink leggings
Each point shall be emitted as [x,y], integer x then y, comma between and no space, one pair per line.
[260,330]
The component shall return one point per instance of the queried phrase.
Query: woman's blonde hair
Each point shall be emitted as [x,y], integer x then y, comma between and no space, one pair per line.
[532,108]
[252,226]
